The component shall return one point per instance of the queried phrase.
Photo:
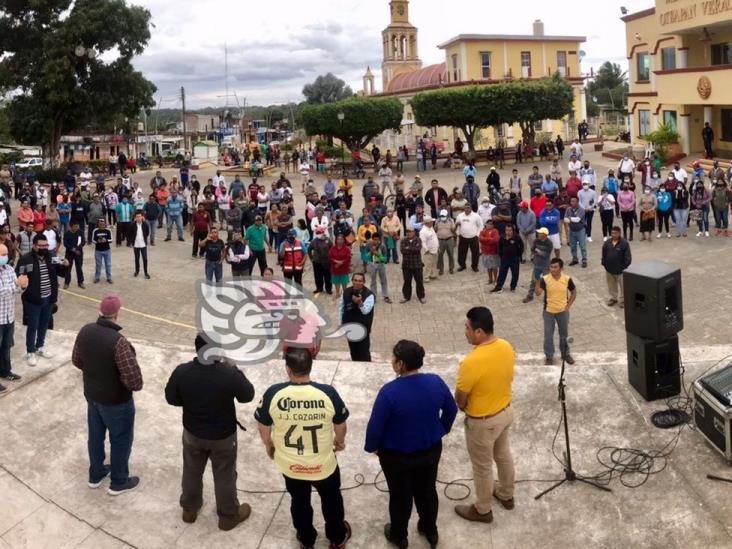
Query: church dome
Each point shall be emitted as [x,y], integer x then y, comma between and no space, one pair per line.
[433,75]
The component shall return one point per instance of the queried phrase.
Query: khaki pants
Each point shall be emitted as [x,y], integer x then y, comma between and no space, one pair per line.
[615,286]
[564,231]
[487,441]
[430,262]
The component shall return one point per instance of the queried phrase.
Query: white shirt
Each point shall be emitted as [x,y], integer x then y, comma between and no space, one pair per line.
[322,222]
[86,175]
[3,217]
[680,174]
[139,238]
[52,240]
[485,211]
[574,166]
[468,226]
[626,165]
[385,173]
[428,236]
[219,180]
[238,258]
[304,169]
[223,201]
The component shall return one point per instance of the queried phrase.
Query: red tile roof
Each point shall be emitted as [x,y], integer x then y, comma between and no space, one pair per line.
[428,76]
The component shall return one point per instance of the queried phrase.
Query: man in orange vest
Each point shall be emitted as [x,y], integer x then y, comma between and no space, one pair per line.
[292,255]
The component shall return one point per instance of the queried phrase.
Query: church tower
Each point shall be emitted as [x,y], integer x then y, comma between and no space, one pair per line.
[400,44]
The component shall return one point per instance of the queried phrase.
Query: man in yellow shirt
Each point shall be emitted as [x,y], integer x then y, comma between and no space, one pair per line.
[302,424]
[346,185]
[559,295]
[484,393]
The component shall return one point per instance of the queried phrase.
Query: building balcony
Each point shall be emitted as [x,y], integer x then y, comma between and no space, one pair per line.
[694,85]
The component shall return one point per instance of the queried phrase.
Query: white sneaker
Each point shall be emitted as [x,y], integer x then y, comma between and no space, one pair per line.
[706,233]
[668,235]
[658,235]
[589,239]
[699,233]
[604,239]
[32,359]
[43,353]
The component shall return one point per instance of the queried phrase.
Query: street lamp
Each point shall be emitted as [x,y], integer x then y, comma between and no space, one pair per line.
[341,117]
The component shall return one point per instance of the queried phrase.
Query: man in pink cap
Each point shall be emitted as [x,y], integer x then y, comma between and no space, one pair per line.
[111,374]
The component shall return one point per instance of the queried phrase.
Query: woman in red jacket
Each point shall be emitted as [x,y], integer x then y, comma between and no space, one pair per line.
[339,258]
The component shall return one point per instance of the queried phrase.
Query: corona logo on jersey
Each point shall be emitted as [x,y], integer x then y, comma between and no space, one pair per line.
[243,320]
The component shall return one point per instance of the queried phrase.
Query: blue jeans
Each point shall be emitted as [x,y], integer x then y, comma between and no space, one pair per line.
[578,237]
[178,221]
[153,226]
[7,332]
[39,316]
[704,219]
[681,218]
[562,321]
[105,256]
[119,420]
[722,219]
[214,268]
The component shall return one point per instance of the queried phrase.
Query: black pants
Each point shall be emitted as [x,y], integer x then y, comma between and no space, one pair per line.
[197,237]
[222,453]
[506,264]
[293,275]
[606,216]
[77,261]
[411,477]
[627,218]
[410,274]
[463,245]
[322,278]
[121,231]
[331,502]
[140,252]
[361,350]
[663,219]
[261,258]
[111,217]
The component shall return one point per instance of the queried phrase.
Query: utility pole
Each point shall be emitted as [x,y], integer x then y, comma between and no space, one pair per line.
[183,101]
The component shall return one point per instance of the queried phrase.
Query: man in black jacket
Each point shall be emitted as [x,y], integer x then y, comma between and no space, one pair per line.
[616,258]
[510,250]
[111,374]
[74,244]
[137,235]
[434,197]
[357,306]
[207,393]
[40,295]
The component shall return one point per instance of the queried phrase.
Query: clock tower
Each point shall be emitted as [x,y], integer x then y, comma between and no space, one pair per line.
[400,43]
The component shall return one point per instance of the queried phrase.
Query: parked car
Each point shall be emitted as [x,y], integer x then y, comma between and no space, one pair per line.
[33,162]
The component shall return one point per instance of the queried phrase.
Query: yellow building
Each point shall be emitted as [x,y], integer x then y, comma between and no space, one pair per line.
[473,59]
[680,57]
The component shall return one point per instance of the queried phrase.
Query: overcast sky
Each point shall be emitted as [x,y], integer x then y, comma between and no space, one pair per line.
[275,48]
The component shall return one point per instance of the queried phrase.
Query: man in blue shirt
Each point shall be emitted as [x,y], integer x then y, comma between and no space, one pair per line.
[184,173]
[550,218]
[175,214]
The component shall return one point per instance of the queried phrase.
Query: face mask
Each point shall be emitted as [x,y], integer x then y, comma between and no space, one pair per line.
[291,239]
[214,237]
[647,191]
[43,253]
[662,189]
[4,260]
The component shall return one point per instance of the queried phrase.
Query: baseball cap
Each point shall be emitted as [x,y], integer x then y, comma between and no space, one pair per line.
[443,213]
[524,204]
[543,230]
[427,218]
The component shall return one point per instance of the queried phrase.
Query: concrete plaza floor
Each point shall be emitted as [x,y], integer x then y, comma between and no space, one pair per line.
[46,502]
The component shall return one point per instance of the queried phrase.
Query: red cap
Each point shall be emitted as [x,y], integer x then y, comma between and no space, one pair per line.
[524,204]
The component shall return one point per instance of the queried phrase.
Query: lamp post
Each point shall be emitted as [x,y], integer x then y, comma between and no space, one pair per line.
[341,117]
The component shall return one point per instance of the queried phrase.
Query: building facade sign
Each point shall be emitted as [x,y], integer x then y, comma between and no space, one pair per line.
[678,15]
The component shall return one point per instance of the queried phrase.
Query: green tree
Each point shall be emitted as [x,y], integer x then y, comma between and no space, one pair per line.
[326,88]
[53,63]
[609,88]
[472,108]
[363,119]
[469,108]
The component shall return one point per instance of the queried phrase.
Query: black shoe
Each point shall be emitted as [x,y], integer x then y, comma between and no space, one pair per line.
[432,539]
[131,484]
[403,301]
[396,263]
[181,240]
[12,377]
[573,262]
[401,543]
[3,388]
[584,264]
[147,276]
[460,269]
[496,289]
[167,239]
[137,273]
[476,270]
[528,299]
[422,300]
[568,359]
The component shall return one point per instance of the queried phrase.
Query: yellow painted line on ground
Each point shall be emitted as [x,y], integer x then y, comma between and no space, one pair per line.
[125,309]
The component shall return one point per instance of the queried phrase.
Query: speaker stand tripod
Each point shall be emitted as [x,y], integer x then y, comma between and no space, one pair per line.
[569,473]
